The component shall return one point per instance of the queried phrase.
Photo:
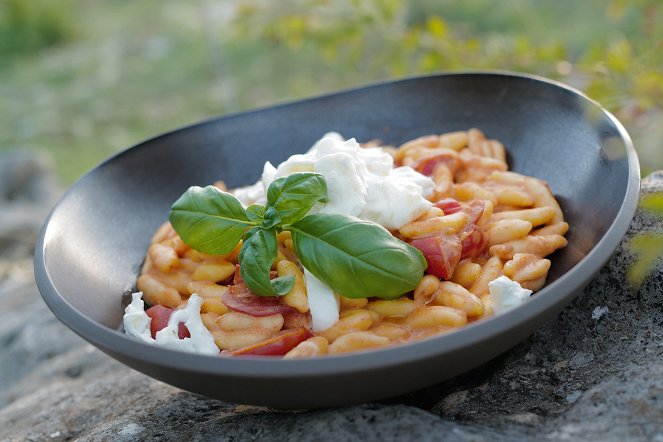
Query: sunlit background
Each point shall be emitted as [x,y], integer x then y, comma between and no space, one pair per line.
[82,79]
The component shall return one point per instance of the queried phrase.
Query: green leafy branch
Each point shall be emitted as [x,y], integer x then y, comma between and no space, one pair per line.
[648,246]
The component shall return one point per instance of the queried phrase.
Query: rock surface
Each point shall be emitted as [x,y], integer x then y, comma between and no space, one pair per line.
[595,372]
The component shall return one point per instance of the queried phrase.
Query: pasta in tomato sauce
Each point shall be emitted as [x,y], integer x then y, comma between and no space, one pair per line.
[484,224]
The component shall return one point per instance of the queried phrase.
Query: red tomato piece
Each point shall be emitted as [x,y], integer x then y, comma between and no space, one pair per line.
[276,346]
[160,316]
[473,242]
[182,331]
[426,166]
[474,210]
[442,253]
[297,320]
[449,206]
[239,298]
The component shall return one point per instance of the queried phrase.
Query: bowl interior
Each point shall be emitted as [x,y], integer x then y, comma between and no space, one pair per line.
[94,242]
[98,234]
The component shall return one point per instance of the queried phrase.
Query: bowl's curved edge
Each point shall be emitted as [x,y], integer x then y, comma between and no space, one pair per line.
[539,305]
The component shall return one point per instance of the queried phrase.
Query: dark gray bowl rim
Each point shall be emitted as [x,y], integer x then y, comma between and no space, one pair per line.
[560,291]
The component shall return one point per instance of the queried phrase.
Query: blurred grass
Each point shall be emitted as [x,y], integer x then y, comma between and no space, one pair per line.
[27,26]
[84,79]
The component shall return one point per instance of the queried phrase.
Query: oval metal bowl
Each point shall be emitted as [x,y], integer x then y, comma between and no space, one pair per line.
[91,247]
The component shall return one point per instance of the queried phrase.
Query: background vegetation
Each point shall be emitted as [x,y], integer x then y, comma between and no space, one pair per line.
[83,79]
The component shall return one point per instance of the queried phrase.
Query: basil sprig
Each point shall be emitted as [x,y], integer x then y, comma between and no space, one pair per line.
[355,258]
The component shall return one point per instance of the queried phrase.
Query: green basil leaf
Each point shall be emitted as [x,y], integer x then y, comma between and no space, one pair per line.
[283,284]
[250,232]
[255,261]
[357,258]
[271,218]
[293,196]
[255,212]
[209,220]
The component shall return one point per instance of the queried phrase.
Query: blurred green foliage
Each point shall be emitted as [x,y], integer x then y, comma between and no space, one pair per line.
[653,203]
[648,247]
[609,49]
[29,26]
